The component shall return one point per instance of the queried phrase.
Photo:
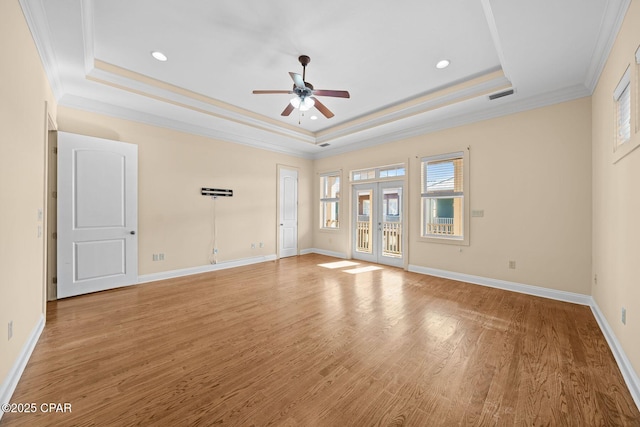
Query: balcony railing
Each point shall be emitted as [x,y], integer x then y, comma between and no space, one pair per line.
[440,226]
[391,238]
[363,240]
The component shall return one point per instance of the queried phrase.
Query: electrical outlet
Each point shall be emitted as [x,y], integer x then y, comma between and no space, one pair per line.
[215,251]
[512,265]
[253,246]
[10,330]
[161,257]
[262,244]
[624,316]
[155,257]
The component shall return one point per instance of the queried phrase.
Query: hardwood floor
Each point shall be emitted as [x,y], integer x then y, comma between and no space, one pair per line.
[293,343]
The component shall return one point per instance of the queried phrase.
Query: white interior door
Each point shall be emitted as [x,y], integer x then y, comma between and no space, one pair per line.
[288,224]
[378,234]
[97,214]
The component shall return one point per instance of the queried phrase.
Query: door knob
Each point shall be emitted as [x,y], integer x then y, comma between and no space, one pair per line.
[132,232]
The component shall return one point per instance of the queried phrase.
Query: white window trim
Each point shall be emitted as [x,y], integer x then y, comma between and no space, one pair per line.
[622,149]
[466,207]
[324,200]
[377,170]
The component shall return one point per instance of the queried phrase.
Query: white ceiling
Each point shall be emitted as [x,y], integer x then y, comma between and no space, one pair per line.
[97,57]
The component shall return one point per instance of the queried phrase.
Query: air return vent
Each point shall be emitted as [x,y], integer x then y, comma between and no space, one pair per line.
[501,94]
[326,144]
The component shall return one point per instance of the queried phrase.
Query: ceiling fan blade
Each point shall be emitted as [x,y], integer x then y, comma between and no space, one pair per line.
[321,107]
[261,92]
[287,110]
[297,79]
[334,93]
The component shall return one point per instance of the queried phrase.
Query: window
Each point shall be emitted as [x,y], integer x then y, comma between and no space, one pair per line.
[363,174]
[622,98]
[379,172]
[329,200]
[391,171]
[443,193]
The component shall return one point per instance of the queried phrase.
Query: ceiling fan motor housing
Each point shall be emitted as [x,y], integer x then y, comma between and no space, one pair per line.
[302,93]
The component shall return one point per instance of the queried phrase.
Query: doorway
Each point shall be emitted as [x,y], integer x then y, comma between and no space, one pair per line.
[288,213]
[378,234]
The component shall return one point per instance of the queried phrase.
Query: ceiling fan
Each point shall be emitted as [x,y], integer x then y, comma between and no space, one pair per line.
[305,98]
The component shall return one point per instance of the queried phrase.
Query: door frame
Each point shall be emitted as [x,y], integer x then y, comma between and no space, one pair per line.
[375,211]
[48,210]
[279,168]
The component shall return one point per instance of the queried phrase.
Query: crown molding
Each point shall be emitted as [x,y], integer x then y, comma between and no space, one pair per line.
[609,28]
[35,16]
[362,142]
[474,87]
[500,110]
[190,101]
[92,106]
[372,129]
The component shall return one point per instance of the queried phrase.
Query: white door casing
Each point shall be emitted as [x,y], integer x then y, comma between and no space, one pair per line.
[288,218]
[382,240]
[97,214]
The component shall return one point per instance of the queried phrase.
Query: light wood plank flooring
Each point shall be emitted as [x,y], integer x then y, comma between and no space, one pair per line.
[293,343]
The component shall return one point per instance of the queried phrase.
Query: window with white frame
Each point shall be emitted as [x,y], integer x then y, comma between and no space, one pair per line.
[330,200]
[443,196]
[622,98]
[381,172]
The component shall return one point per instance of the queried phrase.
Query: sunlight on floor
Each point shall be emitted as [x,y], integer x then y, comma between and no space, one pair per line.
[362,269]
[338,264]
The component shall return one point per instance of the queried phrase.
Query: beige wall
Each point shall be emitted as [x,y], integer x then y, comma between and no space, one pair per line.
[23,92]
[616,197]
[530,173]
[173,218]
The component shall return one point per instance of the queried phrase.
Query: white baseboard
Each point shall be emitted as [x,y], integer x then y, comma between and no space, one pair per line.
[11,381]
[508,286]
[628,373]
[204,268]
[323,252]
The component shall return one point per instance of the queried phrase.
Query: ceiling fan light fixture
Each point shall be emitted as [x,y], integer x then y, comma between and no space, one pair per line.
[307,104]
[304,104]
[295,102]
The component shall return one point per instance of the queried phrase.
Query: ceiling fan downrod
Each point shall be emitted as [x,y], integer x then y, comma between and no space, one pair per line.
[304,60]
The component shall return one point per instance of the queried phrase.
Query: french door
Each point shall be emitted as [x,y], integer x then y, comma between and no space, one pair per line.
[378,234]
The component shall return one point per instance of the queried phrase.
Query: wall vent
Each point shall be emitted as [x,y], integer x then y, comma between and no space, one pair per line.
[326,144]
[501,94]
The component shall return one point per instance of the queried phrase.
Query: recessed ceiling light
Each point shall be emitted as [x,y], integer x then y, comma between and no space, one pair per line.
[314,117]
[159,55]
[443,64]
